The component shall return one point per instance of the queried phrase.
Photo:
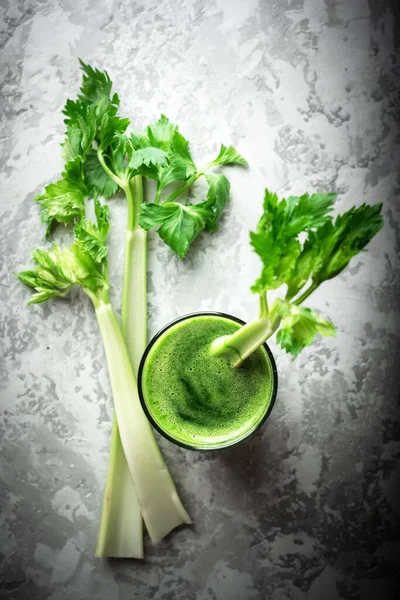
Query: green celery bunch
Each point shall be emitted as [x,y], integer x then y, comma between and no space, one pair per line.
[101,159]
[300,245]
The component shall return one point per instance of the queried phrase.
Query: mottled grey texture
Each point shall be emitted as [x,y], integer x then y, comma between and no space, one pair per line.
[309,508]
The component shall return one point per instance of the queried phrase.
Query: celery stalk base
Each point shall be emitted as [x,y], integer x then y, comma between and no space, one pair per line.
[121,525]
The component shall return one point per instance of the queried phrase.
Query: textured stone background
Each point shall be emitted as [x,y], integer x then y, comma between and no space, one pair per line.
[309,508]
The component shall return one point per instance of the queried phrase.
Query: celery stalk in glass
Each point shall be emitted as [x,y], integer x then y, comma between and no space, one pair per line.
[300,246]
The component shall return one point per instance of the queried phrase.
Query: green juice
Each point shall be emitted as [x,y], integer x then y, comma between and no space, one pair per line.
[198,400]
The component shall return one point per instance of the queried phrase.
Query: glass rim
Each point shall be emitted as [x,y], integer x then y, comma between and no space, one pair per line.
[160,429]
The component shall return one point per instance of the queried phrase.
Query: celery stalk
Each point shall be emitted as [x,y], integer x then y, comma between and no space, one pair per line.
[120,531]
[238,346]
[121,525]
[134,293]
[161,507]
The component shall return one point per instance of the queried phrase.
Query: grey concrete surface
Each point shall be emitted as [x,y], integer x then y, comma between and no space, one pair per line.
[309,508]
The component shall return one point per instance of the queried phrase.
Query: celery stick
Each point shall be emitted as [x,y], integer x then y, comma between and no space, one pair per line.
[161,507]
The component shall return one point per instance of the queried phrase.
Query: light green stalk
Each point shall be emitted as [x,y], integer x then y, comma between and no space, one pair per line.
[161,507]
[238,346]
[120,531]
[162,510]
[305,294]
[121,524]
[134,292]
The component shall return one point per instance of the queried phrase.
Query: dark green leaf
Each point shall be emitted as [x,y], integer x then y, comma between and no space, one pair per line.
[178,224]
[301,271]
[270,254]
[308,212]
[181,165]
[74,173]
[87,235]
[96,90]
[80,117]
[92,237]
[97,180]
[110,128]
[139,141]
[277,241]
[147,157]
[161,133]
[72,146]
[217,198]
[277,250]
[336,243]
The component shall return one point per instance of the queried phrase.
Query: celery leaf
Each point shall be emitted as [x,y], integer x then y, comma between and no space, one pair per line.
[181,165]
[148,157]
[230,156]
[299,328]
[93,237]
[58,269]
[111,126]
[62,202]
[97,180]
[337,242]
[161,133]
[178,224]
[276,240]
[96,90]
[217,198]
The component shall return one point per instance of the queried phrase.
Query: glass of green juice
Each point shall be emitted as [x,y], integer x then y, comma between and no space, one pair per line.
[200,401]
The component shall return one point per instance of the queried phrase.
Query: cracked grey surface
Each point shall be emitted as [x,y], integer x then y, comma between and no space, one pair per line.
[309,508]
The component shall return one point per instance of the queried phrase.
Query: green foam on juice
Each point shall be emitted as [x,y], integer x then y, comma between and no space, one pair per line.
[200,400]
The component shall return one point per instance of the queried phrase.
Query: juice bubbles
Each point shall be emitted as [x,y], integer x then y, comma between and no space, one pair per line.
[198,400]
